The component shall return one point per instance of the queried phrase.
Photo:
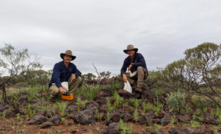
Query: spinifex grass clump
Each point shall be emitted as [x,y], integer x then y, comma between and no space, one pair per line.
[80,102]
[176,101]
[118,100]
[125,129]
[150,107]
[60,107]
[88,91]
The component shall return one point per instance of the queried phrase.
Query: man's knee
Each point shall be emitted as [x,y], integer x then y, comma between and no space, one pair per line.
[140,68]
[54,89]
[79,79]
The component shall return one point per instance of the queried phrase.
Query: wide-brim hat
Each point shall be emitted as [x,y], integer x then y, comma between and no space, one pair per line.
[68,52]
[130,47]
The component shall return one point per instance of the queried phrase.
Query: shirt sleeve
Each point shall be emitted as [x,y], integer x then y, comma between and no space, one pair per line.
[141,61]
[124,67]
[56,75]
[76,72]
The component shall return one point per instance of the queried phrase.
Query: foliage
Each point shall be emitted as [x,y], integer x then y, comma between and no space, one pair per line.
[80,102]
[88,91]
[136,117]
[118,100]
[200,68]
[15,61]
[125,129]
[88,76]
[195,124]
[60,107]
[176,101]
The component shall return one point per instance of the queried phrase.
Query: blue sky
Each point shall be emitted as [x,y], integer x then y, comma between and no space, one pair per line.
[97,31]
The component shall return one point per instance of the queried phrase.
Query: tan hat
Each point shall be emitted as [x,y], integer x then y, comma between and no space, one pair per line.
[130,47]
[68,52]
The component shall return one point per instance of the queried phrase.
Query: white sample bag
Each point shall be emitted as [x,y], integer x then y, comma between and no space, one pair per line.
[65,85]
[133,74]
[127,87]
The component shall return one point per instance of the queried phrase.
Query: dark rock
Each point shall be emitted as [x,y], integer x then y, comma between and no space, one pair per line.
[3,107]
[49,113]
[165,121]
[84,117]
[127,117]
[157,121]
[147,93]
[207,119]
[105,81]
[190,129]
[103,108]
[163,114]
[102,100]
[23,116]
[161,131]
[129,102]
[21,110]
[115,117]
[153,115]
[182,118]
[145,120]
[37,119]
[124,93]
[72,109]
[73,131]
[92,105]
[70,123]
[9,113]
[34,101]
[136,95]
[100,94]
[46,124]
[113,128]
[23,98]
[178,131]
[91,82]
[56,119]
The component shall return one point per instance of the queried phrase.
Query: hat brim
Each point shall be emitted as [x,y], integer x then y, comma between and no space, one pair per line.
[125,51]
[63,54]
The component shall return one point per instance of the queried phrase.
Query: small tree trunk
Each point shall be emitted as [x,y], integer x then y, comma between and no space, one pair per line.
[4,93]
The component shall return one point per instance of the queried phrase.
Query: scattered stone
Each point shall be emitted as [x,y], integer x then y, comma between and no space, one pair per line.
[70,123]
[9,113]
[104,93]
[92,105]
[178,131]
[190,129]
[115,116]
[21,110]
[91,82]
[167,127]
[34,101]
[165,121]
[162,131]
[56,119]
[163,114]
[3,107]
[127,117]
[102,100]
[182,118]
[75,99]
[46,124]
[125,94]
[37,119]
[105,81]
[145,120]
[23,98]
[49,113]
[146,92]
[72,109]
[84,117]
[113,128]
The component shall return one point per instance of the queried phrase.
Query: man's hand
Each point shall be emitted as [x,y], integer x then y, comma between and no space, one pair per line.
[73,77]
[62,90]
[129,68]
[124,78]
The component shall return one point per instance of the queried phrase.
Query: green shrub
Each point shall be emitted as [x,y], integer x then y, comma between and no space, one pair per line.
[176,101]
[80,102]
[125,129]
[88,91]
[60,107]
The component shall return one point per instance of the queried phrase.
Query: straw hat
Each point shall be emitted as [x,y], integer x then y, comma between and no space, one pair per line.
[130,47]
[68,52]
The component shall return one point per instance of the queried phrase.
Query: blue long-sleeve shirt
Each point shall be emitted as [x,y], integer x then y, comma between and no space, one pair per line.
[137,61]
[62,73]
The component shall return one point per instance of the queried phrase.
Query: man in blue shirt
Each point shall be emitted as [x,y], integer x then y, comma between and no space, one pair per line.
[64,71]
[135,63]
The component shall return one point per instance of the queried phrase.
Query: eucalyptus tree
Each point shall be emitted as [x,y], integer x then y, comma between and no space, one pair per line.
[13,61]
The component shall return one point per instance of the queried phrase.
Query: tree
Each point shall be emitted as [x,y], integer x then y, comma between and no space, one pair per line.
[14,61]
[198,69]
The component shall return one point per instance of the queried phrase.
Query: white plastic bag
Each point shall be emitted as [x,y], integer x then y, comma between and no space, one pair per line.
[133,74]
[65,85]
[127,87]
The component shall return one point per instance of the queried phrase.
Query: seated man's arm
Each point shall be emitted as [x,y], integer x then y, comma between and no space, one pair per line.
[56,76]
[141,61]
[124,68]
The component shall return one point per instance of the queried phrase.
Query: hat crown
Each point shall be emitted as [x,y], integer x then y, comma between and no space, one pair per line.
[68,52]
[130,47]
